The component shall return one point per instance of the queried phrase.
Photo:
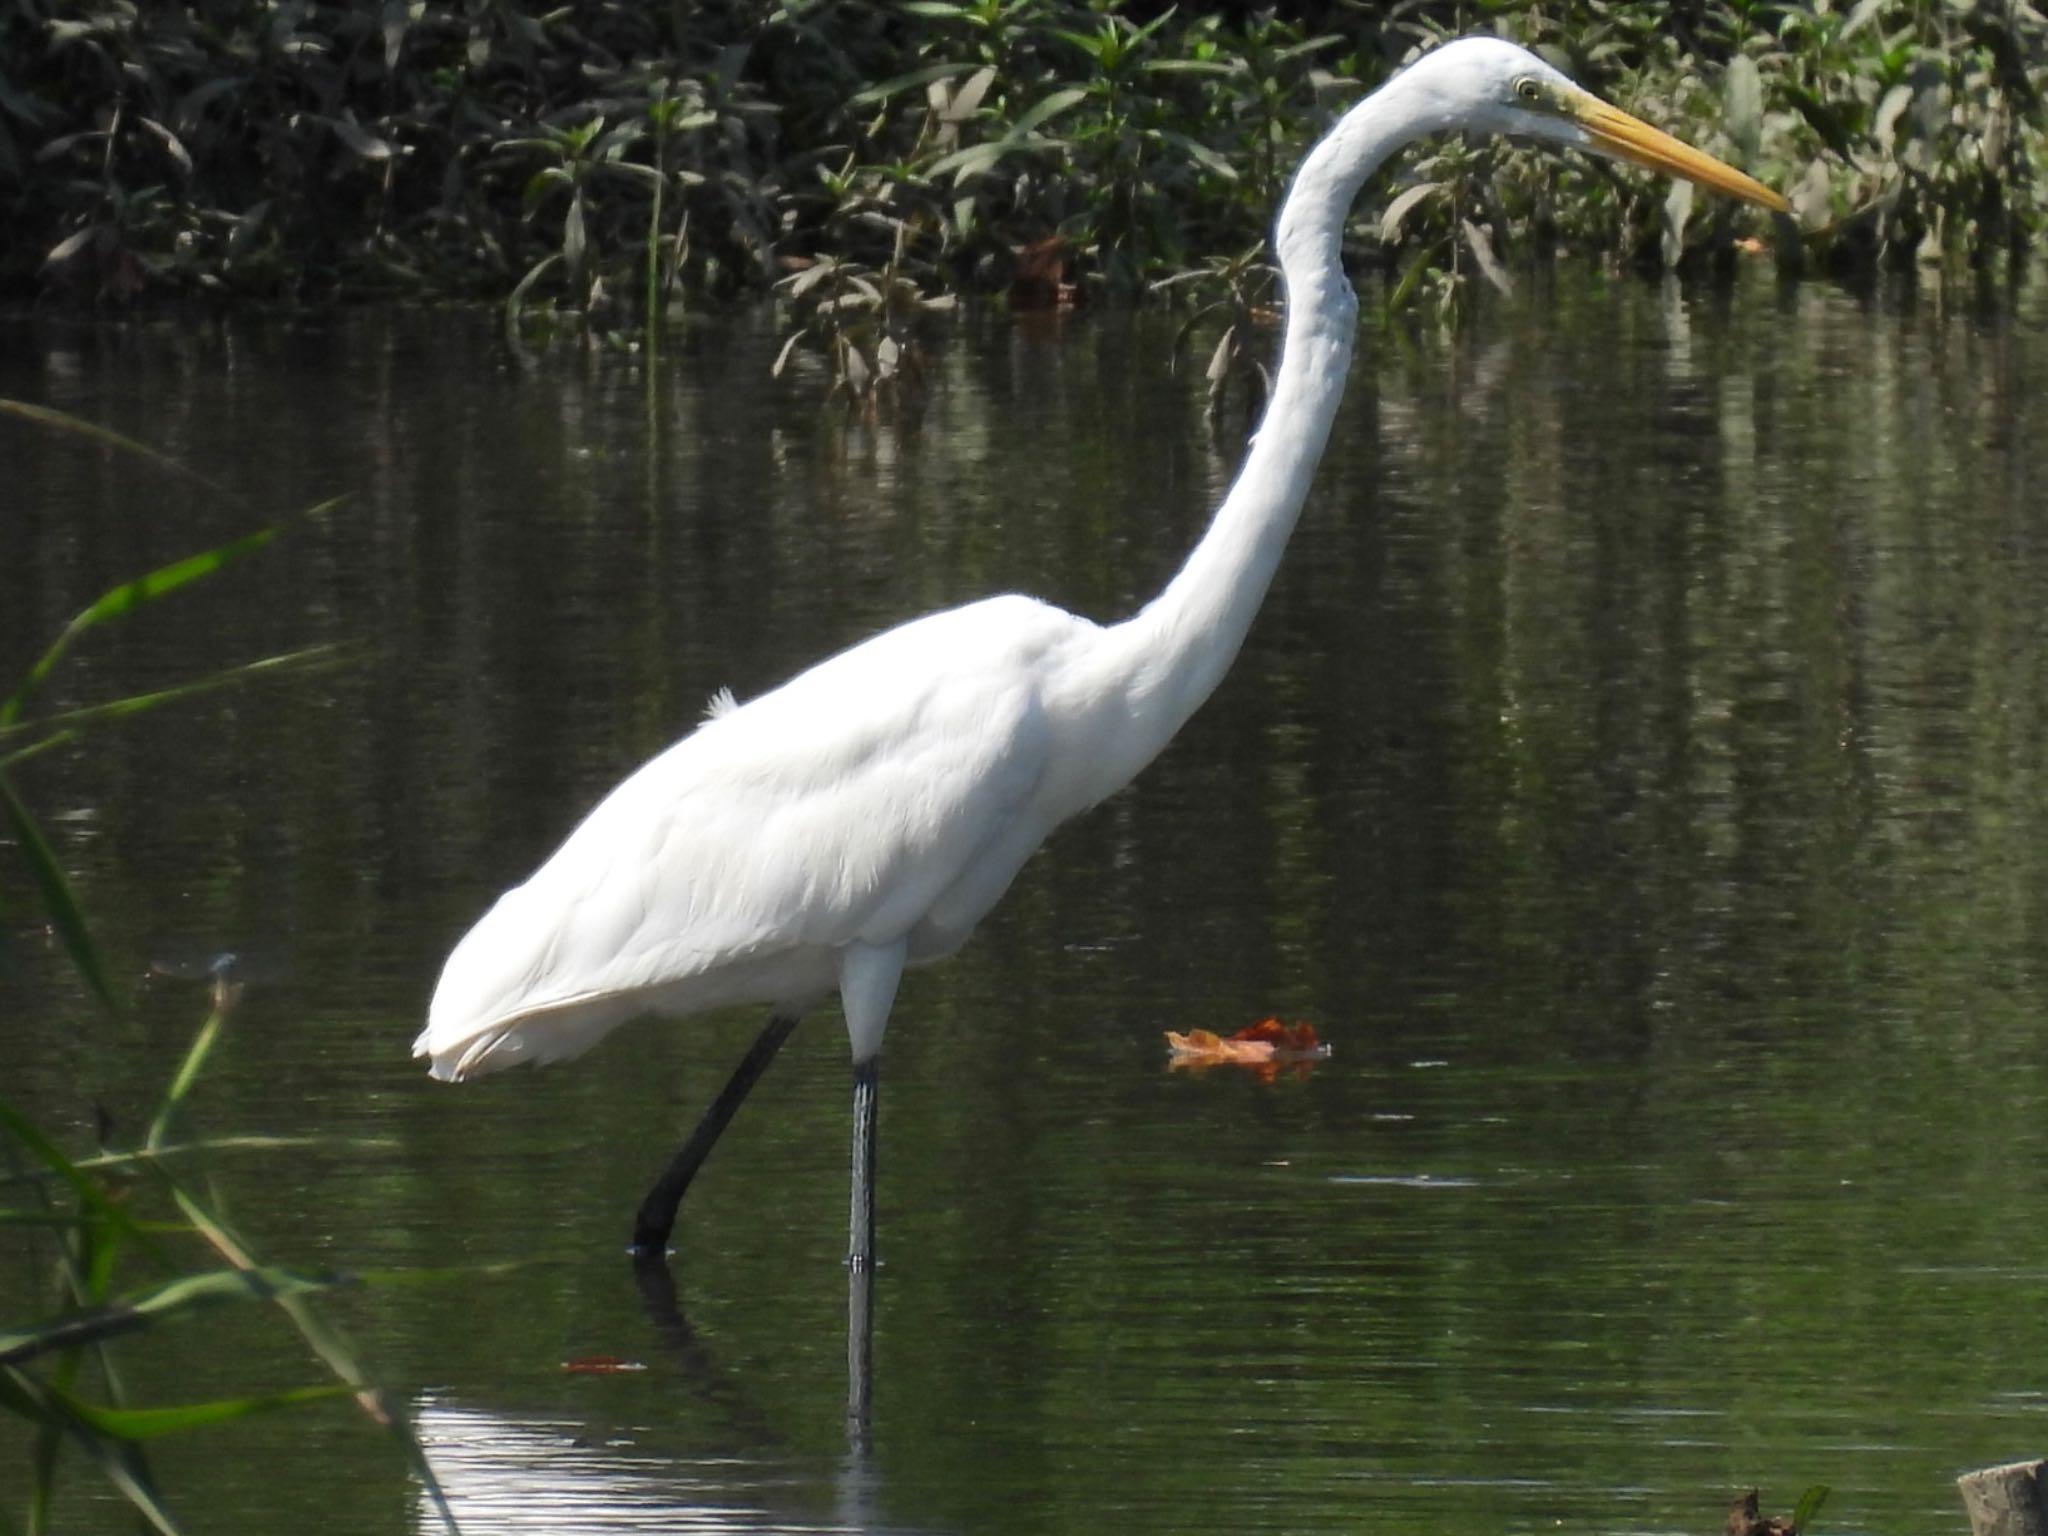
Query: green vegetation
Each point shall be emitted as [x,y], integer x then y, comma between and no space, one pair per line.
[89,1208]
[61,1374]
[614,159]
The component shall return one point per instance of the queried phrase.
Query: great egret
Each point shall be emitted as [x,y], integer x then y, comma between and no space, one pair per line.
[866,814]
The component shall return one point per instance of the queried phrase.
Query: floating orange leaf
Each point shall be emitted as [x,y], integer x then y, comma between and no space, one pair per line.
[1282,1037]
[1211,1047]
[1263,1046]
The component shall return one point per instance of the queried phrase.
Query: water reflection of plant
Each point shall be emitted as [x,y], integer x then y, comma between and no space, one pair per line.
[95,1211]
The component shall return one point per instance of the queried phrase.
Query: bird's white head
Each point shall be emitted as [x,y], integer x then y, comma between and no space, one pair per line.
[1490,85]
[1476,84]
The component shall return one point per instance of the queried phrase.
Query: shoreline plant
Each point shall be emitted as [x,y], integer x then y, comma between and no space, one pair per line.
[613,161]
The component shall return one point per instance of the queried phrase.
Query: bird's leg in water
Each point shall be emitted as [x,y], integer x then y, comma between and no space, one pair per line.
[657,1216]
[860,1246]
[860,1355]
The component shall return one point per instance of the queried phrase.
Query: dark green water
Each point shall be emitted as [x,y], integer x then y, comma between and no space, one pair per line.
[1637,775]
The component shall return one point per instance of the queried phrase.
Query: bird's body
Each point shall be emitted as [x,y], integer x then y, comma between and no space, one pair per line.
[886,796]
[868,813]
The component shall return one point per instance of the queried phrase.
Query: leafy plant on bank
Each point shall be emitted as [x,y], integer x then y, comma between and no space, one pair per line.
[610,161]
[102,1214]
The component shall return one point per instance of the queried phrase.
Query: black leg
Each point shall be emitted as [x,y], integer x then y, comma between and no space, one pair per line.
[657,1216]
[860,1247]
[860,1354]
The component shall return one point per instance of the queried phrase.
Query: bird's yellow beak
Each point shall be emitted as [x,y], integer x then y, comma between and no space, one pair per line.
[1632,139]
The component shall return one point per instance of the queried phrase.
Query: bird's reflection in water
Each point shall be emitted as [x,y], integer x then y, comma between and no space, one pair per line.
[504,1473]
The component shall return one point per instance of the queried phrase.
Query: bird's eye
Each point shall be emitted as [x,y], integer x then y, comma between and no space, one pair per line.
[1530,90]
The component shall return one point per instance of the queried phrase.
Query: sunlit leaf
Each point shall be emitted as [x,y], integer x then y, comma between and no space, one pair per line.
[172,144]
[1397,211]
[359,140]
[1678,206]
[70,245]
[1480,244]
[1884,126]
[1046,110]
[788,349]
[964,164]
[515,302]
[966,101]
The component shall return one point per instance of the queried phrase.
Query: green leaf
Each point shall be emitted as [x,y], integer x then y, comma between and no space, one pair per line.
[63,421]
[59,905]
[326,1342]
[188,1074]
[1051,107]
[66,725]
[916,77]
[516,302]
[359,140]
[1398,210]
[173,1298]
[128,597]
[119,1462]
[970,162]
[150,1423]
[1808,1506]
[1201,154]
[1480,244]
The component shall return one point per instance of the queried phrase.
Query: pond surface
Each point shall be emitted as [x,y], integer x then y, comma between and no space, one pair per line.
[1637,776]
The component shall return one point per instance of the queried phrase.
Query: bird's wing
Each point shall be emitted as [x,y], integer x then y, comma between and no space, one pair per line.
[837,807]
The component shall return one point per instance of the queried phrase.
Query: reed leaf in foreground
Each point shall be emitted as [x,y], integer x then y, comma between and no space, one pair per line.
[95,1321]
[41,1363]
[125,599]
[67,920]
[60,903]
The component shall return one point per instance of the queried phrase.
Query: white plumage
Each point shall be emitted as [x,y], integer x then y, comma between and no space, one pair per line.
[868,813]
[888,794]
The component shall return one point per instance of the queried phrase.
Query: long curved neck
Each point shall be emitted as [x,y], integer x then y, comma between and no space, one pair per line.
[1176,650]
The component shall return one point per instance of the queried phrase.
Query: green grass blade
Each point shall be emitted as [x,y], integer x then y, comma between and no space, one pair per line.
[89,1193]
[121,1464]
[151,1423]
[63,421]
[66,725]
[188,1074]
[251,1143]
[158,1303]
[58,903]
[1809,1506]
[125,599]
[326,1342]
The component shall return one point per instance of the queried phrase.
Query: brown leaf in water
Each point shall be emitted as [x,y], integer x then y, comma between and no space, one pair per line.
[600,1365]
[1263,1047]
[1205,1047]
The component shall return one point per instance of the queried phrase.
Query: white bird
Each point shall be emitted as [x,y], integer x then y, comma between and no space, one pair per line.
[865,815]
